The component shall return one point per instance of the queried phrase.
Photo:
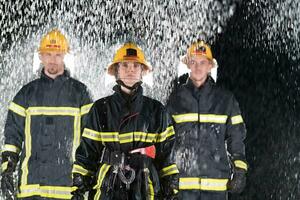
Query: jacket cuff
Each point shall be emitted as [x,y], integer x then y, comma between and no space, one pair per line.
[169,170]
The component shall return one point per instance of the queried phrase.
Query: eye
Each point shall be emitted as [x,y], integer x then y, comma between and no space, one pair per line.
[192,62]
[137,65]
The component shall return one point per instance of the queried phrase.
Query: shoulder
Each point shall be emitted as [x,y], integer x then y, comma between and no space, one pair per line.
[223,93]
[153,103]
[76,83]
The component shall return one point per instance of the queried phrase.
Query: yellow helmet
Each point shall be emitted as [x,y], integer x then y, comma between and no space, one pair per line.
[128,52]
[54,41]
[198,48]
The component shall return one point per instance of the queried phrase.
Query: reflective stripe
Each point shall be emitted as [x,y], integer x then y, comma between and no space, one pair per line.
[203,118]
[76,136]
[190,117]
[172,169]
[57,192]
[17,109]
[151,189]
[65,111]
[137,136]
[203,184]
[4,166]
[128,137]
[237,119]
[241,164]
[211,118]
[24,166]
[103,170]
[85,109]
[80,170]
[167,133]
[11,148]
[101,136]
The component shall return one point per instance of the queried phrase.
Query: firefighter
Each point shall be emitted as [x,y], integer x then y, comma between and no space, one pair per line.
[128,140]
[43,128]
[210,132]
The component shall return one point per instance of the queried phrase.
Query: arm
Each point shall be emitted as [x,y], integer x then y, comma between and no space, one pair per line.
[14,136]
[165,160]
[236,134]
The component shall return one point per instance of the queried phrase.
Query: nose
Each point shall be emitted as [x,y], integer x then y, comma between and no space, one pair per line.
[130,68]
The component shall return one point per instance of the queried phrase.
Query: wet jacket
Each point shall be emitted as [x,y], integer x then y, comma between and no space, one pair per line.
[123,123]
[44,126]
[209,126]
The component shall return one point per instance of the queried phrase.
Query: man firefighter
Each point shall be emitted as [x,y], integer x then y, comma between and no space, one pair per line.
[43,128]
[128,140]
[209,127]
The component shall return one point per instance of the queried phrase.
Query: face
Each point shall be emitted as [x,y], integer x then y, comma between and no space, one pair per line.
[130,72]
[200,67]
[53,62]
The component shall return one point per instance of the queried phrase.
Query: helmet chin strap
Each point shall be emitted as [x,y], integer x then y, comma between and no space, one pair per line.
[131,88]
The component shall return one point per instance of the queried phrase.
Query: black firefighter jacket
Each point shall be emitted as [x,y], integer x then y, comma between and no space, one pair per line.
[116,123]
[44,126]
[208,126]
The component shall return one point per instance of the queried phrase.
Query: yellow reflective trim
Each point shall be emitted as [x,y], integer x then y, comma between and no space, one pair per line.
[58,192]
[166,171]
[128,137]
[11,148]
[210,184]
[212,118]
[189,117]
[237,119]
[101,136]
[103,170]
[167,133]
[4,166]
[17,109]
[85,109]
[64,111]
[24,165]
[76,137]
[137,136]
[151,189]
[241,164]
[80,170]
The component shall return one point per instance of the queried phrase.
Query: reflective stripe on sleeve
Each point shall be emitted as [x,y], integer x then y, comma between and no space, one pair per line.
[17,109]
[85,109]
[11,148]
[103,171]
[240,164]
[4,166]
[80,170]
[172,169]
[192,183]
[236,119]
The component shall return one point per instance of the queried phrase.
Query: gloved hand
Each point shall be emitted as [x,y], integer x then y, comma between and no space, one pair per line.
[83,184]
[170,187]
[7,181]
[238,182]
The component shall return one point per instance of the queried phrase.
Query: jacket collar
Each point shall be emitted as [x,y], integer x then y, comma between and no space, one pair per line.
[203,89]
[62,77]
[130,102]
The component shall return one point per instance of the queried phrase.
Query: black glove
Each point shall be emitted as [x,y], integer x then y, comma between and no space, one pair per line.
[7,180]
[170,187]
[238,182]
[83,184]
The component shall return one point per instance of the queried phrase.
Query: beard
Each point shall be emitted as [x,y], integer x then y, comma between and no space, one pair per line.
[52,70]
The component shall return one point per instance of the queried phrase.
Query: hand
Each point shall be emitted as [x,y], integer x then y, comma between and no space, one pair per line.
[170,187]
[77,196]
[238,182]
[83,184]
[7,185]
[7,180]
